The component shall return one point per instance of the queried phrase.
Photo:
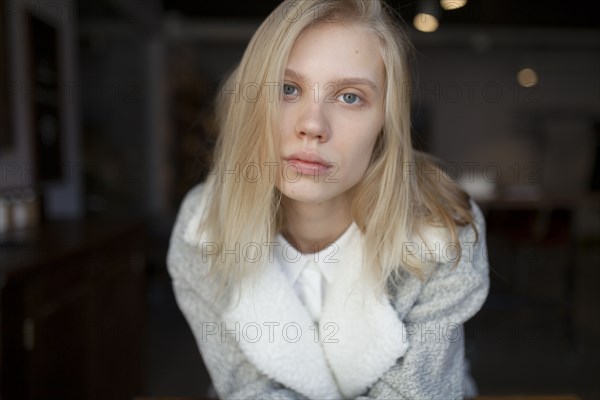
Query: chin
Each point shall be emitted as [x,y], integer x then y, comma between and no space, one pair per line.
[310,192]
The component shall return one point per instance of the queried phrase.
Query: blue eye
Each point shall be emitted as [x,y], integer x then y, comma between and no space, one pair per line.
[350,98]
[290,90]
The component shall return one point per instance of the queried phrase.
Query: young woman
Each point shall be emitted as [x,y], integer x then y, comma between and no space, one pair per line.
[324,258]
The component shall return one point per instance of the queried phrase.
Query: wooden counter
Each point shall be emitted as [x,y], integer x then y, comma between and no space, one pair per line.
[72,311]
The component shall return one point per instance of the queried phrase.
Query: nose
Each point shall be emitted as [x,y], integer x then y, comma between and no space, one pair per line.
[313,122]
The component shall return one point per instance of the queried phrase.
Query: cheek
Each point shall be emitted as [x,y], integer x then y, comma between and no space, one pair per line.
[368,147]
[366,143]
[286,119]
[359,155]
[366,156]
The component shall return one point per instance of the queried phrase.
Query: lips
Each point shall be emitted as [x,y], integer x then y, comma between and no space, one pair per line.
[307,163]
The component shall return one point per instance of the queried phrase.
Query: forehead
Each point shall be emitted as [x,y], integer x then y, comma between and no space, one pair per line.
[339,49]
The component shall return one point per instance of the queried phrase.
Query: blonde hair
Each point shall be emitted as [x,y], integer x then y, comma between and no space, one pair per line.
[402,191]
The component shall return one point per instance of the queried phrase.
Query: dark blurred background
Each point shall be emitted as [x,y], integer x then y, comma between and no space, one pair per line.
[106,122]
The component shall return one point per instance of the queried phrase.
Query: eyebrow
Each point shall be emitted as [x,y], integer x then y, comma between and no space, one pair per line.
[340,82]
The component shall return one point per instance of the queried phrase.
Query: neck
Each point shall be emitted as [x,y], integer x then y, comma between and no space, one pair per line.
[312,227]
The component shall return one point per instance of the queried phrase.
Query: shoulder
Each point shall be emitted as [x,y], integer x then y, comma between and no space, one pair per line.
[478,228]
[434,243]
[455,277]
[186,240]
[190,215]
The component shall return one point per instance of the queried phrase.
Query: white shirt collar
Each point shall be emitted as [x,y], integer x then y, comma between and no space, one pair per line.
[293,262]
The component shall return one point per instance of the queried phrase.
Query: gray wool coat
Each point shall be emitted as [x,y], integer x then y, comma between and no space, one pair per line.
[264,345]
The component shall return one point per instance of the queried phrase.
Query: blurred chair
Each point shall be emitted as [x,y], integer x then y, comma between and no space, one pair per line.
[534,262]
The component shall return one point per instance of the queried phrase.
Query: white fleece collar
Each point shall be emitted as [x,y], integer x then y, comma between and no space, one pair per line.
[360,336]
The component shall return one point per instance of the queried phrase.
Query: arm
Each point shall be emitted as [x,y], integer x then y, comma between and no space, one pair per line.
[433,366]
[233,376]
[231,373]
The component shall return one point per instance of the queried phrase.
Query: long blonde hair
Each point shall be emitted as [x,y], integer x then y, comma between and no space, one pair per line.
[402,191]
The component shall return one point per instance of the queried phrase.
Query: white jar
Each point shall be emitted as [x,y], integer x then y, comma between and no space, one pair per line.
[20,215]
[25,212]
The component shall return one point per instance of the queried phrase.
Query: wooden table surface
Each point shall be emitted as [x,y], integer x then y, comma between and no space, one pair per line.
[505,397]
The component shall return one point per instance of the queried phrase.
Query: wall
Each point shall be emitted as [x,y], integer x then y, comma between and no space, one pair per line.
[62,199]
[541,135]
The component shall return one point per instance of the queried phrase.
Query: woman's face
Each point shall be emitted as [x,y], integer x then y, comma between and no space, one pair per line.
[331,112]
